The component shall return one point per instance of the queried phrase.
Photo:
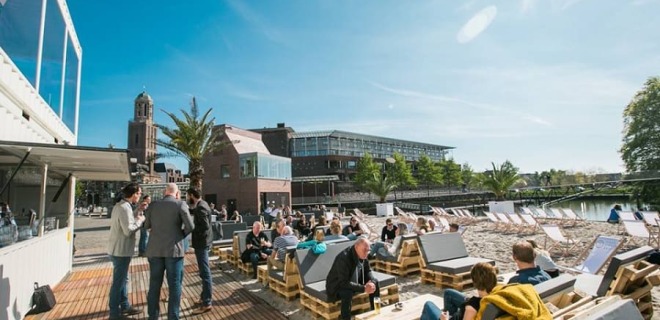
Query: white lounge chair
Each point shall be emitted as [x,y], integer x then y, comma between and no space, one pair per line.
[594,257]
[651,217]
[557,239]
[530,221]
[637,230]
[521,225]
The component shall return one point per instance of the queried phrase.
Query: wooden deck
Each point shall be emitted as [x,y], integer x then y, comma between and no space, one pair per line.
[83,294]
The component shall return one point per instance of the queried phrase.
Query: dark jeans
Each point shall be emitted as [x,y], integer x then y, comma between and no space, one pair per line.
[454,300]
[174,268]
[202,256]
[144,237]
[118,291]
[346,298]
[255,257]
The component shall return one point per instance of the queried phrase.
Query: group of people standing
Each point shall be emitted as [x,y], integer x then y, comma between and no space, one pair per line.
[168,221]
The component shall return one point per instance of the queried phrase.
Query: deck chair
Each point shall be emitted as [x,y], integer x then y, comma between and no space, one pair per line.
[540,213]
[557,239]
[527,210]
[507,225]
[595,256]
[530,221]
[564,220]
[518,223]
[638,232]
[444,223]
[651,217]
[572,215]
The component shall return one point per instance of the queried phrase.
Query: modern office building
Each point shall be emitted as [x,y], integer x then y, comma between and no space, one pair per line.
[245,175]
[321,156]
[40,65]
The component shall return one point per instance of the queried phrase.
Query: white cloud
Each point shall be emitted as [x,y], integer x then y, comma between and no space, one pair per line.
[257,21]
[477,24]
[527,5]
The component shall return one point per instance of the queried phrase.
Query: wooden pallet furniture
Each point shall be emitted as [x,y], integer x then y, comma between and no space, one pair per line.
[313,272]
[405,262]
[447,265]
[286,282]
[628,276]
[239,246]
[223,233]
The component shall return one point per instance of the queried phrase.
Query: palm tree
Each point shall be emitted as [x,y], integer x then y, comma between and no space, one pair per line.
[192,138]
[380,185]
[501,179]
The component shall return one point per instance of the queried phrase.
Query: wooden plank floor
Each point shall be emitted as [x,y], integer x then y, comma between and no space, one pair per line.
[83,294]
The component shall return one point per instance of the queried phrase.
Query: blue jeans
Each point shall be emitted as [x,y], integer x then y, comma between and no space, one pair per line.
[118,299]
[431,312]
[202,256]
[453,300]
[174,268]
[144,237]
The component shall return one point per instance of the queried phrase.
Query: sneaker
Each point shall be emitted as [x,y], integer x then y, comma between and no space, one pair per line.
[202,309]
[131,311]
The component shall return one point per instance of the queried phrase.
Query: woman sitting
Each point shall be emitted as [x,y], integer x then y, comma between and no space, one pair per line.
[385,249]
[422,226]
[457,304]
[303,226]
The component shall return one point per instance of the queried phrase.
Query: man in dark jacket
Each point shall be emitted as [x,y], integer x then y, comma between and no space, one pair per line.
[351,274]
[202,240]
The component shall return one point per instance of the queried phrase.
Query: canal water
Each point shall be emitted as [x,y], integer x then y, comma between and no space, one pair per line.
[596,209]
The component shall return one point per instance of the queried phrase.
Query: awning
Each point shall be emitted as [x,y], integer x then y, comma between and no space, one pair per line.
[316,178]
[84,163]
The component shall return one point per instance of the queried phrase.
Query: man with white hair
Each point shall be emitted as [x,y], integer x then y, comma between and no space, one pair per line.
[350,274]
[276,259]
[170,222]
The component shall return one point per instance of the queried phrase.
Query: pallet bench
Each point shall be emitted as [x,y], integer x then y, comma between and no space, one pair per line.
[406,262]
[313,270]
[447,265]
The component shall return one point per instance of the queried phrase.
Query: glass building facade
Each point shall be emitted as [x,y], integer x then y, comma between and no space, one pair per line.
[264,166]
[39,38]
[340,143]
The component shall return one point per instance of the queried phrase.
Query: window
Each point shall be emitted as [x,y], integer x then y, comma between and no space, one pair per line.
[224,171]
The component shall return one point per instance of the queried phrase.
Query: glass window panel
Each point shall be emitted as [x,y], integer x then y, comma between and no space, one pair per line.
[70,86]
[19,34]
[50,82]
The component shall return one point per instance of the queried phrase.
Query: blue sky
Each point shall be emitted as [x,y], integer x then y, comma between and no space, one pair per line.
[540,83]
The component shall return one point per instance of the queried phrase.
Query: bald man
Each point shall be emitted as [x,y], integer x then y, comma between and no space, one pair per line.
[350,274]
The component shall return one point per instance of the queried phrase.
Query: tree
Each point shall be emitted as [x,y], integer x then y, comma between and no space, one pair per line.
[366,168]
[467,175]
[192,138]
[428,173]
[641,137]
[380,185]
[501,179]
[400,172]
[451,172]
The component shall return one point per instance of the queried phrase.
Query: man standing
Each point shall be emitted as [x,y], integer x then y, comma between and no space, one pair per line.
[123,226]
[202,239]
[351,274]
[170,222]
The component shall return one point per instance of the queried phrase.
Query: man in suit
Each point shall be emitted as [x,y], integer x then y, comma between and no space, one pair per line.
[202,240]
[169,222]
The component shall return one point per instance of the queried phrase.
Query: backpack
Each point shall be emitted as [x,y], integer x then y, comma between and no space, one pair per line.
[43,299]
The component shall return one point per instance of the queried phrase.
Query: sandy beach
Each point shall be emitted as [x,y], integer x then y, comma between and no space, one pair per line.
[481,241]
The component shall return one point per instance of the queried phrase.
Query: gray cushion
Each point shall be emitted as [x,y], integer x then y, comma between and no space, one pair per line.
[276,274]
[563,283]
[317,289]
[315,268]
[249,220]
[457,266]
[227,229]
[223,243]
[622,309]
[242,235]
[437,247]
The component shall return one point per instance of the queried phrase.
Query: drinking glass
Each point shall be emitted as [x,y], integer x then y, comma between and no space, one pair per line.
[377,305]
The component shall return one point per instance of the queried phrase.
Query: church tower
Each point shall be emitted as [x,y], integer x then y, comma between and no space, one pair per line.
[142,132]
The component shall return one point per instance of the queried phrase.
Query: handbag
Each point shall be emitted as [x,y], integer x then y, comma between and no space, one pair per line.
[43,299]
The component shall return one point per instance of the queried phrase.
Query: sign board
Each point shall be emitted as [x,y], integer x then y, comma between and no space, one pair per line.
[501,206]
